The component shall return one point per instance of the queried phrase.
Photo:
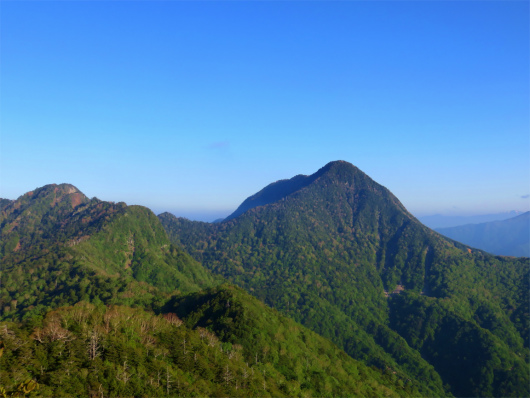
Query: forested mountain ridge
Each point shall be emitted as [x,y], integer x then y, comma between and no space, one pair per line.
[332,253]
[509,237]
[89,295]
[58,247]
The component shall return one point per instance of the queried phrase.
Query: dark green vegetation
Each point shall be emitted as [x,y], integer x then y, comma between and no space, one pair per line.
[340,254]
[507,238]
[89,301]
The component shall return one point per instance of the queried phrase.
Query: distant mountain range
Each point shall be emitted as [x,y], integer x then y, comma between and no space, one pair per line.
[321,285]
[509,237]
[440,221]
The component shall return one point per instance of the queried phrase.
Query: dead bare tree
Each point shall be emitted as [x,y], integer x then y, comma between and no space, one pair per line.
[168,380]
[184,346]
[173,319]
[94,345]
[227,375]
[124,375]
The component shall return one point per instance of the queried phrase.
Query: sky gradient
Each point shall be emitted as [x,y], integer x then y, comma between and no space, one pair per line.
[190,107]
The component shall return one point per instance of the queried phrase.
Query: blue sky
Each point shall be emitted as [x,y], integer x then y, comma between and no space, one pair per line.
[191,107]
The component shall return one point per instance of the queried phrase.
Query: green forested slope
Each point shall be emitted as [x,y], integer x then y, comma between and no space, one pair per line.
[328,254]
[89,295]
[240,349]
[455,344]
[59,247]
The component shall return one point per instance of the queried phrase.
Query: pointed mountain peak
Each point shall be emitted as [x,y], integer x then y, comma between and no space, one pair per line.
[63,189]
[338,170]
[68,188]
[339,165]
[50,195]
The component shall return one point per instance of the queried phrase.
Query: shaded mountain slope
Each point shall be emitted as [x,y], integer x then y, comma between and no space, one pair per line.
[330,252]
[507,237]
[274,192]
[266,336]
[4,203]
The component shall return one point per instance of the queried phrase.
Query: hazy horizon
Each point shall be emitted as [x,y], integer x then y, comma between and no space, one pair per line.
[210,215]
[213,214]
[216,215]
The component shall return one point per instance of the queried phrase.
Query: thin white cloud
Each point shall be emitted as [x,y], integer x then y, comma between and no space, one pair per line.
[219,145]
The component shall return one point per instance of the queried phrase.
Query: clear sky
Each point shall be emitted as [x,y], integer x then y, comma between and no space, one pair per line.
[190,107]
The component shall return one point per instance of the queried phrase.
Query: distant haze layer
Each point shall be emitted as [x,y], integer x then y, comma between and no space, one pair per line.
[446,221]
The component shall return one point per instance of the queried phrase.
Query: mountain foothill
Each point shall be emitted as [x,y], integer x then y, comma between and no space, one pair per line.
[321,285]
